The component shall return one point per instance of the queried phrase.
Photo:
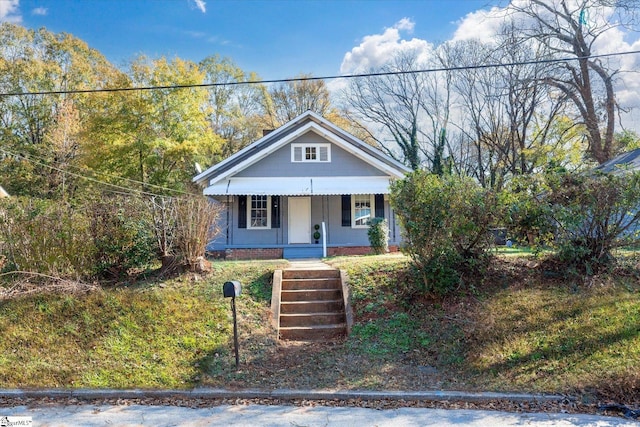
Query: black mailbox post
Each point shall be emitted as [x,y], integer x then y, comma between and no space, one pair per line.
[232,290]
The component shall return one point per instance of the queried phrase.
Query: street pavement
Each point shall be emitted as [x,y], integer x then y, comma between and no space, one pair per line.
[278,415]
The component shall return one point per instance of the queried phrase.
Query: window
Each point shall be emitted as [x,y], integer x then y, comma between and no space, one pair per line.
[362,206]
[310,153]
[259,212]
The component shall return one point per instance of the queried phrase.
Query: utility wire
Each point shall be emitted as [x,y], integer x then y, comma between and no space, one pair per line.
[333,77]
[128,190]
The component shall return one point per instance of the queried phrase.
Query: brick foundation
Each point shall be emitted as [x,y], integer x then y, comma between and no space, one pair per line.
[276,253]
[256,253]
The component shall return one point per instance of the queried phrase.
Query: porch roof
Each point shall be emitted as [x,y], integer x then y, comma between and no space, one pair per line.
[300,186]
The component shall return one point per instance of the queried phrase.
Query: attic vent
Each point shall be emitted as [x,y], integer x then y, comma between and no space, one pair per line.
[312,153]
[324,153]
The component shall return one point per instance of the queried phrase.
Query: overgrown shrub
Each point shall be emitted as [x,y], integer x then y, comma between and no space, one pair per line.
[525,212]
[379,235]
[122,234]
[196,225]
[446,222]
[80,239]
[594,215]
[182,227]
[45,237]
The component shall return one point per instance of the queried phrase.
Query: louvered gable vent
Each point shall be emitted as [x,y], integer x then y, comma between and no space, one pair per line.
[324,153]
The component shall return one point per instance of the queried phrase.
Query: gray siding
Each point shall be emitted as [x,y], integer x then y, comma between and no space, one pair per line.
[323,208]
[278,163]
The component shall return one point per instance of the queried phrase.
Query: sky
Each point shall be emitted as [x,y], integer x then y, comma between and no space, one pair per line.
[280,39]
[274,38]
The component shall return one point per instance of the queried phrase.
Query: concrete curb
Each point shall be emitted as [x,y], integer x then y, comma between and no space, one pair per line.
[282,394]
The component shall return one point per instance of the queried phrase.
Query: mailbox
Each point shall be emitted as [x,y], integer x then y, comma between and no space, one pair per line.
[231,289]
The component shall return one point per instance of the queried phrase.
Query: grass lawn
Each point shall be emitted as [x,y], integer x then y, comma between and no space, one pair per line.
[520,328]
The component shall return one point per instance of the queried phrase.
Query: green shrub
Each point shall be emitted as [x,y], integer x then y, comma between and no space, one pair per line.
[594,215]
[122,233]
[525,213]
[446,222]
[379,235]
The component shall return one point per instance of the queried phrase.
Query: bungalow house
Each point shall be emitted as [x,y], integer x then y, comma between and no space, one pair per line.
[306,189]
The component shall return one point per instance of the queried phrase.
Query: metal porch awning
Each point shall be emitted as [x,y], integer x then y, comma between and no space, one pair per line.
[297,186]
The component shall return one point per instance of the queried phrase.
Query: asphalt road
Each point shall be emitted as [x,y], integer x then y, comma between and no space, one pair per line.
[295,416]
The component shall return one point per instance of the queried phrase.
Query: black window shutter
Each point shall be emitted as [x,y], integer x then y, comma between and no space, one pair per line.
[242,211]
[275,211]
[379,205]
[346,210]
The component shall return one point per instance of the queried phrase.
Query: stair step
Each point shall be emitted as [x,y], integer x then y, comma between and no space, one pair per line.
[311,319]
[293,307]
[310,274]
[312,283]
[310,295]
[311,306]
[313,333]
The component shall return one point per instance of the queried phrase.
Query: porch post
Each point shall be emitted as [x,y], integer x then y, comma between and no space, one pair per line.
[324,240]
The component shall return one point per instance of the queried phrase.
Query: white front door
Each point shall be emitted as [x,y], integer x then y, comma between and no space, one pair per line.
[299,220]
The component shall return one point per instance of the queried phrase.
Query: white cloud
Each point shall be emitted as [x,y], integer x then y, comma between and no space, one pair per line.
[10,11]
[485,24]
[201,4]
[41,11]
[482,25]
[377,49]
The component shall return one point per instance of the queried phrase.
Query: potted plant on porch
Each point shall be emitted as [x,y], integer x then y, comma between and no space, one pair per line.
[316,234]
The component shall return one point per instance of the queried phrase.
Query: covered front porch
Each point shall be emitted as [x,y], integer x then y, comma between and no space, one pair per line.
[284,226]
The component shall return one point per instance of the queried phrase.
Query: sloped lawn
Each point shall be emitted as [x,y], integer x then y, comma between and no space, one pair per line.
[520,328]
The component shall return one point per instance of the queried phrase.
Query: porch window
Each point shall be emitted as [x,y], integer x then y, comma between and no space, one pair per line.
[310,153]
[259,212]
[362,207]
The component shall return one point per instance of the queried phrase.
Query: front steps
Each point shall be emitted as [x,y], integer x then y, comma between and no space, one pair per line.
[311,305]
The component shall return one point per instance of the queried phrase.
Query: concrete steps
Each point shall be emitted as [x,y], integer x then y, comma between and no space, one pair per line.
[311,305]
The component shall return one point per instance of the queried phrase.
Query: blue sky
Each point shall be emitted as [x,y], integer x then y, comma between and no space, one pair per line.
[275,38]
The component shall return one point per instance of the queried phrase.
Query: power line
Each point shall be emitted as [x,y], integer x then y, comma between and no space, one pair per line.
[332,77]
[128,190]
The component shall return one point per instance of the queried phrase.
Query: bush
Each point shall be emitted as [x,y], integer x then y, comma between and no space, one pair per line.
[183,226]
[525,212]
[45,237]
[594,215]
[122,234]
[82,239]
[379,235]
[196,220]
[446,223]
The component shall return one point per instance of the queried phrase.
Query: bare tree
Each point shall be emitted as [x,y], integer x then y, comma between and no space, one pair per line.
[436,103]
[571,28]
[393,102]
[503,109]
[290,99]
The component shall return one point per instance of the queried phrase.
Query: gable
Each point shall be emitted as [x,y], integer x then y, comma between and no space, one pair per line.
[286,134]
[339,162]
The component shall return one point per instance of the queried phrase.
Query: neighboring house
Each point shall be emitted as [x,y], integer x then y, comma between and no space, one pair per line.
[625,162]
[629,161]
[307,174]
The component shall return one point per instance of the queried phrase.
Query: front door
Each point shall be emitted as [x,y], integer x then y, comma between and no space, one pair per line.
[299,220]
